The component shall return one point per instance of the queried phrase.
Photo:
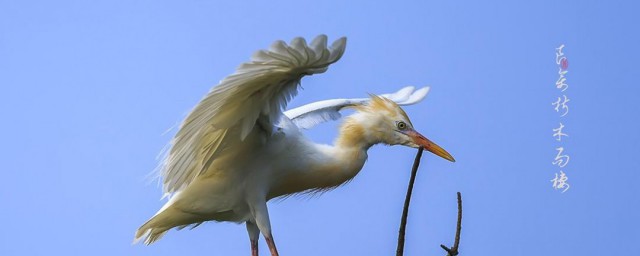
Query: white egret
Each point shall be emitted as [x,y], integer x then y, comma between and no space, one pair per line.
[236,150]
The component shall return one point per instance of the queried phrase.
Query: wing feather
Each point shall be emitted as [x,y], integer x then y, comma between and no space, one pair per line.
[310,115]
[257,92]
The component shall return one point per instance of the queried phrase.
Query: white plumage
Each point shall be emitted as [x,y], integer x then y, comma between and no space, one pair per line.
[259,88]
[307,116]
[237,149]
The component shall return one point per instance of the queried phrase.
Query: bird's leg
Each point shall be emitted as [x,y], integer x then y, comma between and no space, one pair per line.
[254,247]
[254,235]
[261,215]
[272,245]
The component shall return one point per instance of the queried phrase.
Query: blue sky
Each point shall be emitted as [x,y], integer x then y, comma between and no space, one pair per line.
[89,89]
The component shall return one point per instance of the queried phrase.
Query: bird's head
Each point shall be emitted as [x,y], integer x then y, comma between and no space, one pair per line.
[383,121]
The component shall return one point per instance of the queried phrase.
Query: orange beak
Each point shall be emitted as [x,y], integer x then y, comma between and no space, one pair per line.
[429,145]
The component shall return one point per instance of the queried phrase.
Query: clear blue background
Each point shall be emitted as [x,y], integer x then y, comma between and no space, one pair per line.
[89,88]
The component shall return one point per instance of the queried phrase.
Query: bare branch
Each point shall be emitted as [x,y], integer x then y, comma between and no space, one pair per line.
[453,251]
[407,200]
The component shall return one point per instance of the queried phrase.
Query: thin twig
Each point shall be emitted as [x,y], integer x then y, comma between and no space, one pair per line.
[407,200]
[453,251]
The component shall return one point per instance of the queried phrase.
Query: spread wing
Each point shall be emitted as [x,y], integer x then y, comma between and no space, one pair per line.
[310,115]
[242,106]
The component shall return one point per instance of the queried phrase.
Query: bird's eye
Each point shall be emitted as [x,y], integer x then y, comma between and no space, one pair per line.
[401,125]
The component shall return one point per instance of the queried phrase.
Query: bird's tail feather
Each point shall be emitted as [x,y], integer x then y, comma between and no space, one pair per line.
[159,224]
[149,232]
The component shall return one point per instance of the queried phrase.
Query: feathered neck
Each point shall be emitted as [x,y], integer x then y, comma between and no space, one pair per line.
[355,134]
